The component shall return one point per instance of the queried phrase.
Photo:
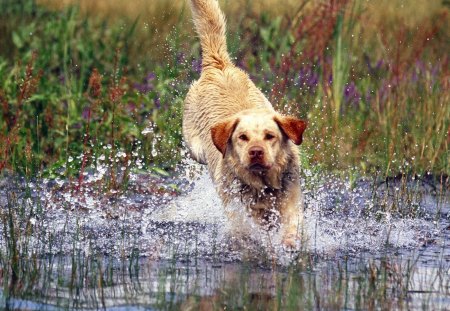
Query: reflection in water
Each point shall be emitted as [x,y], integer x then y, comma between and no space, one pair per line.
[394,280]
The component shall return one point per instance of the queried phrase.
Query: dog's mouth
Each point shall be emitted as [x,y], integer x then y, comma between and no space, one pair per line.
[258,167]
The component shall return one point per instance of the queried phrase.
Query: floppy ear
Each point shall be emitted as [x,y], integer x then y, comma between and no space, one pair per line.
[221,134]
[292,127]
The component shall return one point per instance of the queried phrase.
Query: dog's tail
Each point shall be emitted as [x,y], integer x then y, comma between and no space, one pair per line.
[211,28]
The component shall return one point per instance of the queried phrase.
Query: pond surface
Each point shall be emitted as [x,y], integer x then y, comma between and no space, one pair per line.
[165,243]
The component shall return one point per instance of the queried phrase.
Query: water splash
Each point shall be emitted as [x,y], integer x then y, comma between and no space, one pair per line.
[182,217]
[334,219]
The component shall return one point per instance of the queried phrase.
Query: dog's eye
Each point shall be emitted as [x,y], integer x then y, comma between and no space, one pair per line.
[243,137]
[269,137]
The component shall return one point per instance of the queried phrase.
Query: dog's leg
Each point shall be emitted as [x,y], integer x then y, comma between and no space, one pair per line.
[291,211]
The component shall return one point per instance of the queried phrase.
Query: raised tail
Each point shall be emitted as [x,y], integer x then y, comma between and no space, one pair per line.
[211,28]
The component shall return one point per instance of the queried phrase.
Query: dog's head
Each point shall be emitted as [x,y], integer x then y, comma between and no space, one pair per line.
[257,139]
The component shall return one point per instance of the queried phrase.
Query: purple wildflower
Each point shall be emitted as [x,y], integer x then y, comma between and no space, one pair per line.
[181,58]
[147,86]
[197,65]
[373,70]
[351,93]
[86,113]
[157,102]
[150,77]
[308,78]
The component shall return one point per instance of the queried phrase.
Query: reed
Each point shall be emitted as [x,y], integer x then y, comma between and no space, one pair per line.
[374,100]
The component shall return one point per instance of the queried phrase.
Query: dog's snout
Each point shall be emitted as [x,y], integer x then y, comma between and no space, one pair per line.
[256,152]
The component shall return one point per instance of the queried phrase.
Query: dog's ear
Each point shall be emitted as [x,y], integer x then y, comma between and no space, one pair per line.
[221,134]
[292,127]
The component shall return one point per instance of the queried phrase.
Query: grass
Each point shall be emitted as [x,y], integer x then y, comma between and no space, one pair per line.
[87,94]
[376,103]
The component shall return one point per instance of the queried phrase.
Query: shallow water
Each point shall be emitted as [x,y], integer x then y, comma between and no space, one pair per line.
[155,285]
[165,243]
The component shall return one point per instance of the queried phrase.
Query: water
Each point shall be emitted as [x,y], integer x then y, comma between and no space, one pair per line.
[166,243]
[150,285]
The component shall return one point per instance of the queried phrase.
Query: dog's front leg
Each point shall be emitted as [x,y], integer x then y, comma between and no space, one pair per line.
[291,210]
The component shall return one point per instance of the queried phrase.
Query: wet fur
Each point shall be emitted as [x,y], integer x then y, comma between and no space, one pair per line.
[214,106]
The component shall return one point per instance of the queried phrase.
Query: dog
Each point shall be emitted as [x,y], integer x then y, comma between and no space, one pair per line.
[249,148]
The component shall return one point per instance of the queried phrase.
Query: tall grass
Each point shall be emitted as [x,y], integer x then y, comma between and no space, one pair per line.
[59,119]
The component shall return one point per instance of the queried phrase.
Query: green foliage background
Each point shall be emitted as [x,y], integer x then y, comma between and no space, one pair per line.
[376,96]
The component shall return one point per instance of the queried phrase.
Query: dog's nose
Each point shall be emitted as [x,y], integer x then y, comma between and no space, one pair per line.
[256,152]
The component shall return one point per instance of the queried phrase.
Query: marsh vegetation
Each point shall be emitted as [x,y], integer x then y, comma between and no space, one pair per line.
[100,205]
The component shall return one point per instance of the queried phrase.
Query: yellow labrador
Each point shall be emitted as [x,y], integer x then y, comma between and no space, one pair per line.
[229,125]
